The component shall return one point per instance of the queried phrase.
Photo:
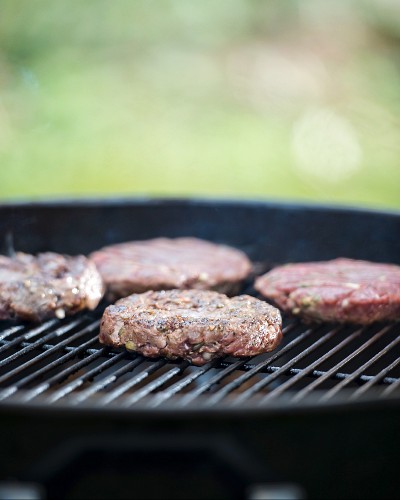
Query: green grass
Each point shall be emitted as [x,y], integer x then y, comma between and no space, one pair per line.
[164,98]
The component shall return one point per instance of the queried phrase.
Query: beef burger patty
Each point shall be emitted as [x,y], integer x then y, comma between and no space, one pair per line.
[195,325]
[163,263]
[340,290]
[47,285]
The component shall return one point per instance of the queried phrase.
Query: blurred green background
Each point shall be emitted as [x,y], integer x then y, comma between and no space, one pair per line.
[231,98]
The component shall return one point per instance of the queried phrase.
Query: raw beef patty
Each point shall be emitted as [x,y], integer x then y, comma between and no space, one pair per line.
[163,263]
[340,290]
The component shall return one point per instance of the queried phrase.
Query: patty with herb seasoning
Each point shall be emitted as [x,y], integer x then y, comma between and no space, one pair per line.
[195,325]
[47,285]
[341,290]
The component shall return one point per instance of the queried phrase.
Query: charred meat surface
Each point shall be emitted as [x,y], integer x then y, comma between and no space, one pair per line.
[167,263]
[195,325]
[47,285]
[341,290]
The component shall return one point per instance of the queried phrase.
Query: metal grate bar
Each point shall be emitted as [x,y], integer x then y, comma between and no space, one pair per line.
[21,382]
[66,348]
[320,373]
[333,372]
[361,369]
[284,369]
[131,382]
[47,353]
[30,394]
[74,384]
[374,380]
[162,396]
[26,336]
[310,368]
[257,368]
[188,398]
[10,331]
[391,388]
[134,398]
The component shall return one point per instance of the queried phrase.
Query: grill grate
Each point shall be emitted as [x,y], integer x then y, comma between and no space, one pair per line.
[61,362]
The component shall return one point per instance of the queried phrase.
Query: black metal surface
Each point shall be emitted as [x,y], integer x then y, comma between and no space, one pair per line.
[321,411]
[62,362]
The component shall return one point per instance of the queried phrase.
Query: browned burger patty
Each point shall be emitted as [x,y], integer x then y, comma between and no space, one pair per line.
[163,263]
[47,285]
[340,290]
[195,325]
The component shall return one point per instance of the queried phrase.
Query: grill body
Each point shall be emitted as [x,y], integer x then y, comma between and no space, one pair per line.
[318,421]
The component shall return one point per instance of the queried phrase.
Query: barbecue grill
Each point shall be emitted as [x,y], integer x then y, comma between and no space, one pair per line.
[318,417]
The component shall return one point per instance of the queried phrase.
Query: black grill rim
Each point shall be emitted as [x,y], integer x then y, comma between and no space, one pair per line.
[115,201]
